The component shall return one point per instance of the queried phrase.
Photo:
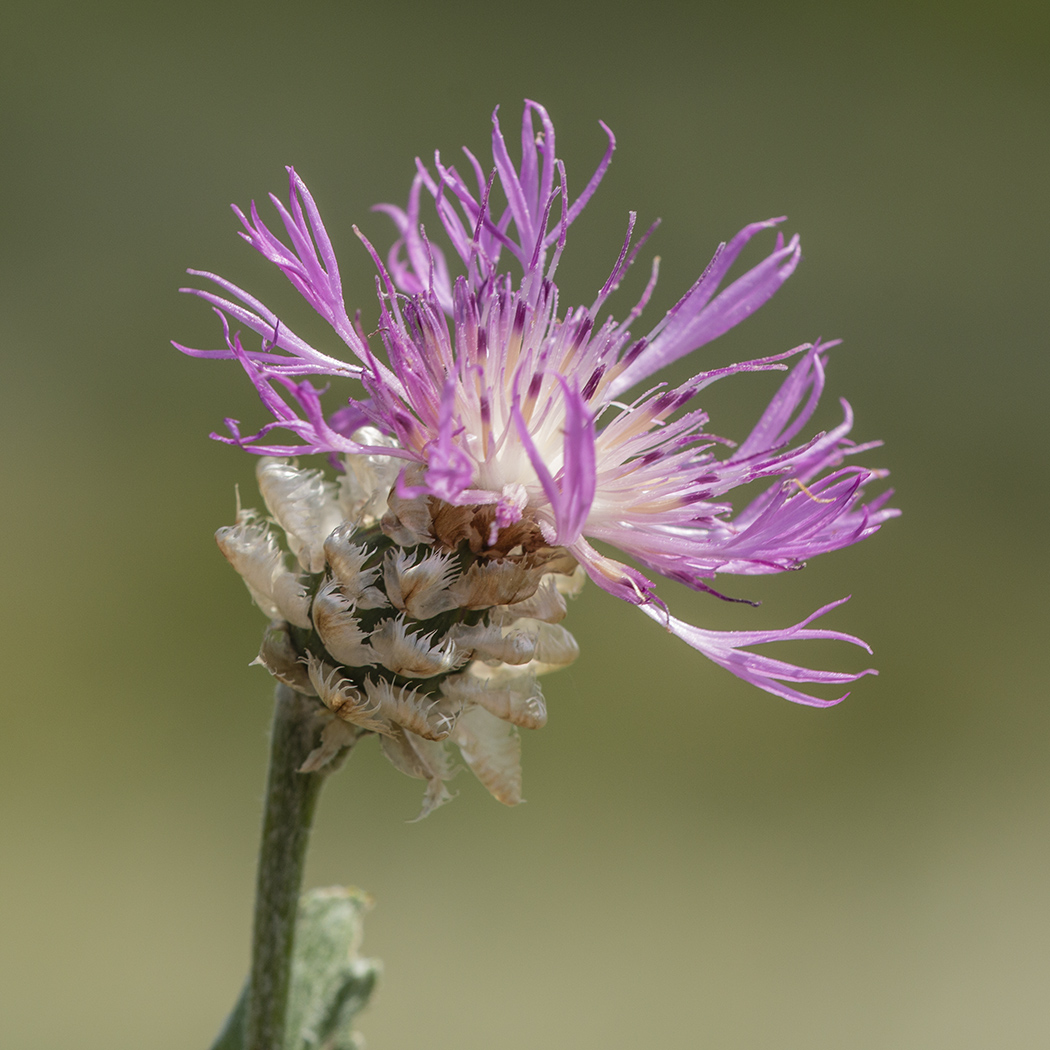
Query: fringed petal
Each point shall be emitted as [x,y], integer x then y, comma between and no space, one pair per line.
[725,648]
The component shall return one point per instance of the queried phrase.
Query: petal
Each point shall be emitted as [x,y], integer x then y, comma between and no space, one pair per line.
[725,649]
[695,320]
[572,495]
[449,469]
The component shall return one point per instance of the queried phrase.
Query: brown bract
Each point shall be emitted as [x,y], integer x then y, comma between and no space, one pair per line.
[473,525]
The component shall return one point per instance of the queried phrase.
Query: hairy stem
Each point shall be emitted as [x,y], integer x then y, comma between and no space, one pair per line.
[290,801]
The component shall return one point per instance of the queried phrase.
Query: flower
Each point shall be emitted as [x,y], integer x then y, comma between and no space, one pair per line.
[500,435]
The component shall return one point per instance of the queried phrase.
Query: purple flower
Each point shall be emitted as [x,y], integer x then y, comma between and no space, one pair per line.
[500,401]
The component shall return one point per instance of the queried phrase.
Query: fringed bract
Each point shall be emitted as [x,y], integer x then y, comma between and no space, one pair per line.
[427,632]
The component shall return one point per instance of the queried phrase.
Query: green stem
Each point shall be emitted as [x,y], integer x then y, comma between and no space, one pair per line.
[290,801]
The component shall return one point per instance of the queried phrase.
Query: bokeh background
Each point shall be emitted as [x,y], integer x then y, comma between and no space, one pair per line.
[698,864]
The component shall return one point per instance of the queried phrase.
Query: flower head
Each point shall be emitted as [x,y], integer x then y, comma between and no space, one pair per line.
[499,434]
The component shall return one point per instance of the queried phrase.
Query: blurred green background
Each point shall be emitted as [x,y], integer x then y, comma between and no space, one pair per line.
[698,864]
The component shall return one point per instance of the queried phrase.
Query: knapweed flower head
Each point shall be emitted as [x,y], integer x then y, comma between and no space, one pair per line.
[493,438]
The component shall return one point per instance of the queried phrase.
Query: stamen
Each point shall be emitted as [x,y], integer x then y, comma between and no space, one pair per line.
[815,498]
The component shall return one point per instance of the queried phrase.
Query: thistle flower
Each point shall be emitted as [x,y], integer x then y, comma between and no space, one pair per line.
[494,439]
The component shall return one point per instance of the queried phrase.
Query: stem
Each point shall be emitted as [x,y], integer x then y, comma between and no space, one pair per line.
[290,801]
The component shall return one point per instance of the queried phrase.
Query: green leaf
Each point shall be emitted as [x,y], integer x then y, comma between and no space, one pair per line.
[330,982]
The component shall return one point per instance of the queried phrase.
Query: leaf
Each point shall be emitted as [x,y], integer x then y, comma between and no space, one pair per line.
[330,982]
